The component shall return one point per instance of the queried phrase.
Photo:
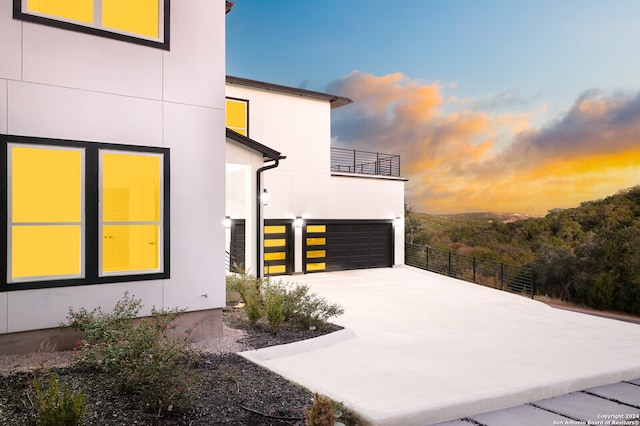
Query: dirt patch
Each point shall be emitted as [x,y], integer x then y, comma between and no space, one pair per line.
[233,391]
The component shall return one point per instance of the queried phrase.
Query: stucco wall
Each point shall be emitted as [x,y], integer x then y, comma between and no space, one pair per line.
[64,84]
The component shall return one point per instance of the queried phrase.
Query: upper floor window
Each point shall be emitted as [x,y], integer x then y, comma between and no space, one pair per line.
[238,115]
[82,213]
[138,21]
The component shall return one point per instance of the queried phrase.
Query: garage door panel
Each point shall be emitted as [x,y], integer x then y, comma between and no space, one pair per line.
[353,245]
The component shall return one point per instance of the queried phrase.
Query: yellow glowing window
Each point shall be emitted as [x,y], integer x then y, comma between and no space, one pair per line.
[312,254]
[237,116]
[316,228]
[131,212]
[133,16]
[78,10]
[275,242]
[321,266]
[133,19]
[46,204]
[316,241]
[275,256]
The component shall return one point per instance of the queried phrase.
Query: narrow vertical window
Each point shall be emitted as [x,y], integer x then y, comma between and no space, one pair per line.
[131,213]
[237,116]
[45,213]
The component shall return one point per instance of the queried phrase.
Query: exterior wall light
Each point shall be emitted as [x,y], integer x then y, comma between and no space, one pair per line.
[265,197]
[227,222]
[299,222]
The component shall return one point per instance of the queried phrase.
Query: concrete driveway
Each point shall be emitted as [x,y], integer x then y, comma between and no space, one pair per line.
[420,348]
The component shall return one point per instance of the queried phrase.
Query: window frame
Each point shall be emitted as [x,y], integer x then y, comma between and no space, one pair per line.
[162,42]
[92,247]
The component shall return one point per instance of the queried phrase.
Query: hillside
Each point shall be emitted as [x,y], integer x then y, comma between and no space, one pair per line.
[589,254]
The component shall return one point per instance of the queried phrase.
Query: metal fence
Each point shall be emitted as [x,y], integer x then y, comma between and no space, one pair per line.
[363,162]
[499,275]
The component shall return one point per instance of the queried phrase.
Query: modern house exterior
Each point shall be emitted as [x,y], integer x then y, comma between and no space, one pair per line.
[112,149]
[328,209]
[123,150]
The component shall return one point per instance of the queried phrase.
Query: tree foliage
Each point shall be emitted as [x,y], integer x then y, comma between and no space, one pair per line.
[587,255]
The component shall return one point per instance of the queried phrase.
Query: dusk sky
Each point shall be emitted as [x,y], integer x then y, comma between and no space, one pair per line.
[503,106]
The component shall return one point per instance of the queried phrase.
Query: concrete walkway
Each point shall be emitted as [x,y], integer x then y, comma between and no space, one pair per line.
[420,348]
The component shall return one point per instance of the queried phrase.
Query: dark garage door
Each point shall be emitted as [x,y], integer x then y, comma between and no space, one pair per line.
[337,246]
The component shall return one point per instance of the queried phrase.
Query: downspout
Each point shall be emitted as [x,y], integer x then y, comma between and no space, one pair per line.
[259,266]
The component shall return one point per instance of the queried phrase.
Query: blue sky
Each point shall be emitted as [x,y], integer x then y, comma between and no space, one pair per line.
[497,75]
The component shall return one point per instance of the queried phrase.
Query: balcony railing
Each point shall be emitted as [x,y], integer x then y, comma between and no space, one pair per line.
[363,162]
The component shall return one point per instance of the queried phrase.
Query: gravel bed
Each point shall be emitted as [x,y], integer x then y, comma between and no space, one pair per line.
[233,391]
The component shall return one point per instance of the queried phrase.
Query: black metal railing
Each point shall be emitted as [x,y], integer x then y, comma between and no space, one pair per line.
[499,275]
[364,162]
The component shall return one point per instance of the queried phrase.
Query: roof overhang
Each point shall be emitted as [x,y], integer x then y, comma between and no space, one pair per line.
[229,6]
[335,101]
[267,153]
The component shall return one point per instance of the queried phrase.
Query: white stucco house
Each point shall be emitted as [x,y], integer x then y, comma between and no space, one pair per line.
[118,132]
[328,209]
[112,149]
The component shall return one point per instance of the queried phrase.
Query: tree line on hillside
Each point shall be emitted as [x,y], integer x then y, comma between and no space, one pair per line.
[588,255]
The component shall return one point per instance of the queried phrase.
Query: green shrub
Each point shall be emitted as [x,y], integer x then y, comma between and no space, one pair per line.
[245,284]
[253,308]
[273,302]
[56,408]
[306,308]
[282,302]
[321,413]
[140,354]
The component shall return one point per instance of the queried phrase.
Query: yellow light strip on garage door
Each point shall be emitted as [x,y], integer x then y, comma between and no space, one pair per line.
[321,266]
[276,242]
[316,241]
[316,228]
[312,254]
[275,229]
[275,269]
[280,255]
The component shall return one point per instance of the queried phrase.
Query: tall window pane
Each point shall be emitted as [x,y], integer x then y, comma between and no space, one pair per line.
[45,208]
[131,212]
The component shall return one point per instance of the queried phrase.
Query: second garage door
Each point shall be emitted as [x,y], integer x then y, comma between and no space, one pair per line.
[336,245]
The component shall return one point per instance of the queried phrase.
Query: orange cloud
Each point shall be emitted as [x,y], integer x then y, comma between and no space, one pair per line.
[468,159]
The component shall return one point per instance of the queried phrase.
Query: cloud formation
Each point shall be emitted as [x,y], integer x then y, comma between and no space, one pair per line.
[463,156]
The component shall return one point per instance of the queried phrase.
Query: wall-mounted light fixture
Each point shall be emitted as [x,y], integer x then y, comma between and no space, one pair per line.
[227,222]
[265,197]
[299,222]
[398,222]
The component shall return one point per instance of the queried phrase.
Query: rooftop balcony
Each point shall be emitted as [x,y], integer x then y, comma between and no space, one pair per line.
[364,162]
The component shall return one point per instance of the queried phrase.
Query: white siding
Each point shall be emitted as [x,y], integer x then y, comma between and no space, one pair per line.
[10,42]
[98,64]
[65,84]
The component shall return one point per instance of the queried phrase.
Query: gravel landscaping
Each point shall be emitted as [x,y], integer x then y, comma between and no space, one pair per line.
[233,391]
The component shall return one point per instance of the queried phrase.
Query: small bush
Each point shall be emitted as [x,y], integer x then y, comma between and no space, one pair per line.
[245,284]
[273,301]
[253,308]
[140,354]
[282,302]
[57,408]
[321,413]
[305,308]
